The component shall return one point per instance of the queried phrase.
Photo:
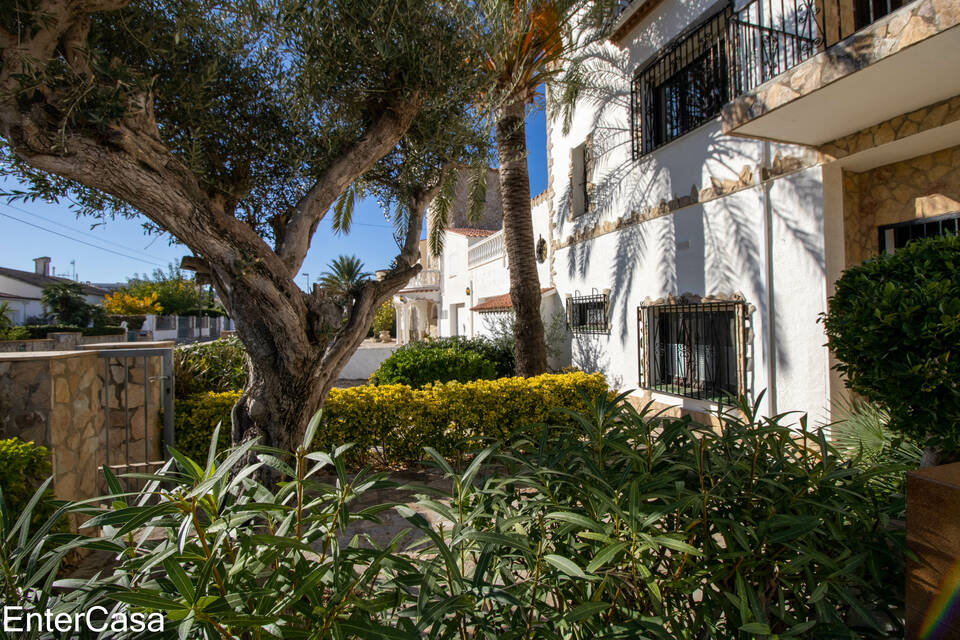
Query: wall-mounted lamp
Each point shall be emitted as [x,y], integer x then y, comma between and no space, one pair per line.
[467,291]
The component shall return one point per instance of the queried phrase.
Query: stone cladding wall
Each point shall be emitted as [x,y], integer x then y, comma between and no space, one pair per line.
[58,400]
[921,187]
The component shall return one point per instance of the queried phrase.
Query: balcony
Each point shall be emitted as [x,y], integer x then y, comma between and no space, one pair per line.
[425,282]
[485,251]
[814,71]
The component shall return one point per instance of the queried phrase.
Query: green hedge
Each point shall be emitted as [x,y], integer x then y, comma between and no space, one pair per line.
[391,424]
[39,332]
[195,418]
[218,365]
[444,359]
[894,324]
[23,467]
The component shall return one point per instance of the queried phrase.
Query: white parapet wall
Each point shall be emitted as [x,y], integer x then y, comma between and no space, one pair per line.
[366,359]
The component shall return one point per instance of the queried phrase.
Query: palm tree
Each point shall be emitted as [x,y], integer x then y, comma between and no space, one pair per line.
[527,43]
[66,300]
[344,278]
[5,311]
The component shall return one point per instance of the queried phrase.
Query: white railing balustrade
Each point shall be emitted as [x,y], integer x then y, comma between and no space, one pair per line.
[426,278]
[486,250]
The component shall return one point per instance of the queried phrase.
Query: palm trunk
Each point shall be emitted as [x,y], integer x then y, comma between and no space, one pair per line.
[529,343]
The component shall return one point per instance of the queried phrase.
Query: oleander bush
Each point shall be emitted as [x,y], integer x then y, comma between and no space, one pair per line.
[445,359]
[23,467]
[894,323]
[215,366]
[623,525]
[391,424]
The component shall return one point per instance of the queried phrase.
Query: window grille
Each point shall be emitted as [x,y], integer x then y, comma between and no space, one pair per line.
[685,87]
[693,350]
[588,314]
[896,236]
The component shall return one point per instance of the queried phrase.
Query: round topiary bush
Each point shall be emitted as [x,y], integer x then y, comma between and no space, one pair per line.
[423,362]
[894,325]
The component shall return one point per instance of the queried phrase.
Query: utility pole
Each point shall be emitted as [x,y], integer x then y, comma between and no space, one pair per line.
[73,263]
[307,276]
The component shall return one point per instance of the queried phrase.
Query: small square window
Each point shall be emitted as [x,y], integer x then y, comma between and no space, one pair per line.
[588,314]
[693,350]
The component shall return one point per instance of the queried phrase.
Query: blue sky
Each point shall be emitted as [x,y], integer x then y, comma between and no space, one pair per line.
[117,250]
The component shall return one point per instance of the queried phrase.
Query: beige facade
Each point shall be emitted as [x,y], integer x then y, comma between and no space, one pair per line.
[921,187]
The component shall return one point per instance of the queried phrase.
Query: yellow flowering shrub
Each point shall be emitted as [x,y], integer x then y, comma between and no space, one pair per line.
[195,418]
[391,424]
[124,304]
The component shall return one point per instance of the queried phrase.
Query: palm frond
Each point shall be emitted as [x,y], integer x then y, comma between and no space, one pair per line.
[440,212]
[477,196]
[343,208]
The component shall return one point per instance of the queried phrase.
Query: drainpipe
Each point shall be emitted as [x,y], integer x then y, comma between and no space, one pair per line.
[768,259]
[470,306]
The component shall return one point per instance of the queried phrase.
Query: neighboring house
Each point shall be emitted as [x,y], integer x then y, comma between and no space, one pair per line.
[734,160]
[23,290]
[465,290]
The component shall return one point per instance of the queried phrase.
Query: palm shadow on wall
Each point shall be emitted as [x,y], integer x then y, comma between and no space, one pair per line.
[718,241]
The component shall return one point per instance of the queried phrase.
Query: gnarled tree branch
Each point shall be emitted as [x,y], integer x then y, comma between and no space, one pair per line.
[379,139]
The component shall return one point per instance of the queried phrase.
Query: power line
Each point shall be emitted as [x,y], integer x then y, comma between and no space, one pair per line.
[89,244]
[69,228]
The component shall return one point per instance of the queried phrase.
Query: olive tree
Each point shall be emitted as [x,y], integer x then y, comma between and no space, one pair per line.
[235,128]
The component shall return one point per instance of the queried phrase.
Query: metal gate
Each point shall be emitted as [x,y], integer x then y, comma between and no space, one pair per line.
[137,383]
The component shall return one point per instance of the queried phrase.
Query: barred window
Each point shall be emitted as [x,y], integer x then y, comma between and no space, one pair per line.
[896,236]
[588,314]
[693,350]
[685,87]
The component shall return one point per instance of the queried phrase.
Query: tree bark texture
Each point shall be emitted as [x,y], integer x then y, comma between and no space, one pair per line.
[297,343]
[530,347]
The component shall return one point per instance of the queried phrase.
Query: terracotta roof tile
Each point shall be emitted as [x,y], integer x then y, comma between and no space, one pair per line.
[472,233]
[500,303]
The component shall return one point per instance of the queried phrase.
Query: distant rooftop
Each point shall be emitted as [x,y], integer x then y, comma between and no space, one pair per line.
[40,280]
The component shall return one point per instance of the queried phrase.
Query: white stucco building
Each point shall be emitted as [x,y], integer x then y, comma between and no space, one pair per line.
[22,290]
[730,161]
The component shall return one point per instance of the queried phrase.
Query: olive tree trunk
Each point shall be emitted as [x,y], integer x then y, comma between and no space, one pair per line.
[530,347]
[297,342]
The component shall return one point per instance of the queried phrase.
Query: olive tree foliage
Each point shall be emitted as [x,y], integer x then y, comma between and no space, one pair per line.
[234,128]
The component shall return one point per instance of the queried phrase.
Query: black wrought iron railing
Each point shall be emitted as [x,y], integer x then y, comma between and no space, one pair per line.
[693,350]
[685,86]
[588,314]
[769,37]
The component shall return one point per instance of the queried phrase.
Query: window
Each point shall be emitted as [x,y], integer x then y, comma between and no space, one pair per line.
[588,314]
[581,170]
[895,236]
[866,12]
[685,87]
[693,350]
